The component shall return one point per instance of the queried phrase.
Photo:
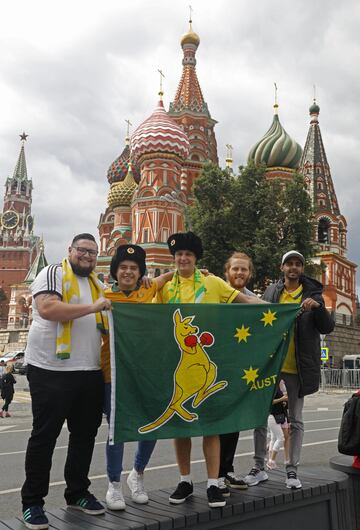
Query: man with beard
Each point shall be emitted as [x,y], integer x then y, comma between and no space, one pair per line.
[301,367]
[239,270]
[65,379]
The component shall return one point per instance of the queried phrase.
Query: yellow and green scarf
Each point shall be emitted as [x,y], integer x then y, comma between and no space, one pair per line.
[199,288]
[70,291]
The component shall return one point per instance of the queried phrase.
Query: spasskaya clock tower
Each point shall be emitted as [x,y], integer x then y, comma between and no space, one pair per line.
[18,245]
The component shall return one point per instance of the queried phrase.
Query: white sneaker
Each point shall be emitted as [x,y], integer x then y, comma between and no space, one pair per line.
[114,497]
[292,482]
[256,476]
[135,481]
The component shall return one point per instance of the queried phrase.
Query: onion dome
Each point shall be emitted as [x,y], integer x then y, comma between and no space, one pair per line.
[119,168]
[276,148]
[159,134]
[190,37]
[121,193]
[314,109]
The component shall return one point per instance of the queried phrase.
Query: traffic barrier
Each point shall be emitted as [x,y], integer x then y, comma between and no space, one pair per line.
[336,378]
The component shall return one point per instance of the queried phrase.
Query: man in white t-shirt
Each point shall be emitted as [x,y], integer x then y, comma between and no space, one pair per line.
[64,386]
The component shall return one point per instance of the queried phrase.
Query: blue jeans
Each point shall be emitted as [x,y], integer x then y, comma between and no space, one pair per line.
[114,453]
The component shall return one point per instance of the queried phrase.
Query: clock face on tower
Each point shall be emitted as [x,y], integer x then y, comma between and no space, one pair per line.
[9,219]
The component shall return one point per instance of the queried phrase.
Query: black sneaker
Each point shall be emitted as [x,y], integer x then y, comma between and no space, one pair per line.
[225,492]
[215,498]
[35,518]
[182,492]
[234,482]
[89,505]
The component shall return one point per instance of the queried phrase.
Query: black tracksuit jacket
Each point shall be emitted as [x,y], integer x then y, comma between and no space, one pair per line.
[308,327]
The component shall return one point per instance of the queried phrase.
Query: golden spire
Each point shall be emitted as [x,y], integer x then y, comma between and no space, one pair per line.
[229,156]
[161,93]
[276,106]
[129,124]
[190,17]
[314,87]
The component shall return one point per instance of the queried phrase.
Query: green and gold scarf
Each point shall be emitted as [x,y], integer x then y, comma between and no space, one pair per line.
[70,290]
[199,288]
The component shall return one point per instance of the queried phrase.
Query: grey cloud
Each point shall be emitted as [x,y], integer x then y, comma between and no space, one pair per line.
[74,100]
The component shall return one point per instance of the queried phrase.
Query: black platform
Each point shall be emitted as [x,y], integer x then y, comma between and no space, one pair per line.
[344,463]
[322,504]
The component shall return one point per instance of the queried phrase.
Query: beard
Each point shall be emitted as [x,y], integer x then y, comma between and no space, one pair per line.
[84,272]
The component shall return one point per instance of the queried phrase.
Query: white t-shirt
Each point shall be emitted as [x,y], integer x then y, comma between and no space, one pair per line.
[85,337]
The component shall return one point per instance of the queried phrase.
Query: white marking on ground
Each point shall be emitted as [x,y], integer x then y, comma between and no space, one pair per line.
[29,430]
[4,427]
[164,466]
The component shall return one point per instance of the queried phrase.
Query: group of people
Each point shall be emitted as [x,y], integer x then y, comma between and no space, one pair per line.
[7,382]
[69,373]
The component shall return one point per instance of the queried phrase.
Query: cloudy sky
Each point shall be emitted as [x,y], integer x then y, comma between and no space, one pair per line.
[71,72]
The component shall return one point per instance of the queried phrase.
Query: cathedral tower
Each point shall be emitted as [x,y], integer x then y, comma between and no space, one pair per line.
[330,225]
[18,245]
[159,146]
[190,111]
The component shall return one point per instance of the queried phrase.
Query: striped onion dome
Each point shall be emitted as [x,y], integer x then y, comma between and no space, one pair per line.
[276,148]
[119,168]
[159,134]
[121,193]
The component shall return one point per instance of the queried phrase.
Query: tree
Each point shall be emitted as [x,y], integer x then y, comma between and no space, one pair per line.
[211,216]
[249,213]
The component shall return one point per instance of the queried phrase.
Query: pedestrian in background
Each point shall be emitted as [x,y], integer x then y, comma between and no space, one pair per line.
[2,371]
[7,390]
[277,424]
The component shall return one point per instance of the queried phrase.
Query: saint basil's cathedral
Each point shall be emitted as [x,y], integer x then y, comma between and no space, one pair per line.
[151,182]
[151,186]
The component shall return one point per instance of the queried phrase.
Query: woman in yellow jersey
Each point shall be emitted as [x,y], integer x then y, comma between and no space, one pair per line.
[189,285]
[127,269]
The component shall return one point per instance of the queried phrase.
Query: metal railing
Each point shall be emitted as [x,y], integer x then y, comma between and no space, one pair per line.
[336,378]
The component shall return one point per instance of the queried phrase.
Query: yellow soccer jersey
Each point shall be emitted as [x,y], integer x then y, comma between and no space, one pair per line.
[217,291]
[138,296]
[294,297]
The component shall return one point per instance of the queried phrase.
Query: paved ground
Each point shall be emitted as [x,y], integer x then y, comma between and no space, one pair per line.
[322,418]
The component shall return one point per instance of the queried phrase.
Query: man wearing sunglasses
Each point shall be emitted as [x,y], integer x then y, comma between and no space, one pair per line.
[65,379]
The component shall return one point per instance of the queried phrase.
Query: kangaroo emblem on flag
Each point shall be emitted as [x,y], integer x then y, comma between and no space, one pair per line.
[194,376]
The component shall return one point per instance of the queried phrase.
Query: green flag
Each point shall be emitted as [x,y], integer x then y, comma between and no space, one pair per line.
[194,369]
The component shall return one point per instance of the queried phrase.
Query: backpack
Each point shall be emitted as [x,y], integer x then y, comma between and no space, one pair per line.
[349,434]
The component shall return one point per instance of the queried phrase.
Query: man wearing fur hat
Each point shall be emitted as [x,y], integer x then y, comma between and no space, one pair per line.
[189,285]
[127,269]
[301,368]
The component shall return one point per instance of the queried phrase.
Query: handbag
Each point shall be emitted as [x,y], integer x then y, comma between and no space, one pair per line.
[280,417]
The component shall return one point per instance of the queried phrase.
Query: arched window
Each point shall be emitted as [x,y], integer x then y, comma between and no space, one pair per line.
[342,235]
[157,273]
[324,231]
